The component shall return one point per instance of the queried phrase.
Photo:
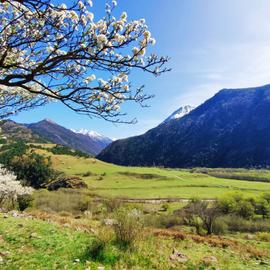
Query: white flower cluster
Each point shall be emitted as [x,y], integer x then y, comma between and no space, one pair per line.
[62,47]
[10,188]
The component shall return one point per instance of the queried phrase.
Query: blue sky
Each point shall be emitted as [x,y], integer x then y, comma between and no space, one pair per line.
[212,44]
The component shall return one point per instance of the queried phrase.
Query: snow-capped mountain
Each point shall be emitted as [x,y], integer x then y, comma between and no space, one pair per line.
[90,143]
[101,139]
[182,111]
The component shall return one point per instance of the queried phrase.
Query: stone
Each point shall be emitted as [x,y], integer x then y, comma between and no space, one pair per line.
[249,237]
[179,257]
[109,222]
[209,260]
[35,235]
[5,216]
[15,214]
[4,253]
[88,214]
[101,268]
[77,260]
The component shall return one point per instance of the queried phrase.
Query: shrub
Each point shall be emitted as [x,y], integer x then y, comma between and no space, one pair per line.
[263,236]
[88,173]
[227,204]
[9,151]
[245,209]
[70,201]
[203,211]
[239,224]
[263,208]
[237,205]
[25,201]
[164,207]
[197,223]
[266,196]
[96,248]
[162,220]
[112,204]
[64,150]
[106,234]
[128,226]
[99,251]
[220,226]
[34,169]
[3,141]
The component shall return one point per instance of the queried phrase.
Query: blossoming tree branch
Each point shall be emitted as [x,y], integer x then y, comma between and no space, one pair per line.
[61,53]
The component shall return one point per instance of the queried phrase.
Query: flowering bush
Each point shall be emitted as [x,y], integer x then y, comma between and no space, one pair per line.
[51,52]
[10,188]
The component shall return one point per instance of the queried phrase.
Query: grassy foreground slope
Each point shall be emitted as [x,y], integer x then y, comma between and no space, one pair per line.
[141,182]
[33,244]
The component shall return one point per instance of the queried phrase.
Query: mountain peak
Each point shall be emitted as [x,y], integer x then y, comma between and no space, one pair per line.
[94,135]
[47,120]
[179,113]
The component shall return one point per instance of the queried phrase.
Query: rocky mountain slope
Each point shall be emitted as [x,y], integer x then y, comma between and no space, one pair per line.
[14,131]
[232,129]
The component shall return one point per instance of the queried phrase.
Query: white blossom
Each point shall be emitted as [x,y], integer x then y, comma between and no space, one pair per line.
[90,2]
[51,36]
[126,87]
[10,187]
[90,78]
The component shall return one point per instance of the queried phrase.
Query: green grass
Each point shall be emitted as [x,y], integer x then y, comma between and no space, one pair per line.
[140,182]
[31,244]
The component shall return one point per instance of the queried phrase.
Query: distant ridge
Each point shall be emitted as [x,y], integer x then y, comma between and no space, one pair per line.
[101,140]
[232,129]
[14,131]
[55,133]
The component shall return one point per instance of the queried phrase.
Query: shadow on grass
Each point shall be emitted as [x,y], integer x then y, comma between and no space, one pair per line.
[98,251]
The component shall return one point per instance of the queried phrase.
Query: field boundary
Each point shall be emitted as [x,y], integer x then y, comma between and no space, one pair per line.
[153,200]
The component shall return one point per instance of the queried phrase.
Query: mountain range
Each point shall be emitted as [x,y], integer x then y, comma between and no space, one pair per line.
[231,129]
[48,131]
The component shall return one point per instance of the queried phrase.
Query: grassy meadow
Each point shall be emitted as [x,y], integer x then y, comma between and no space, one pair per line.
[75,229]
[110,180]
